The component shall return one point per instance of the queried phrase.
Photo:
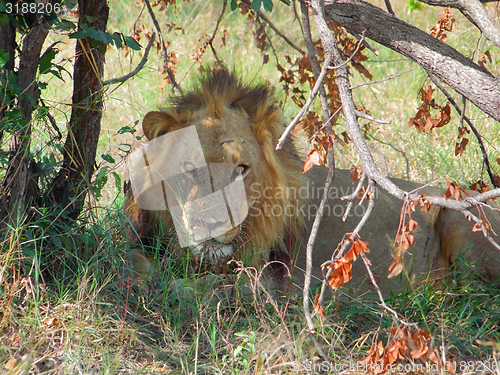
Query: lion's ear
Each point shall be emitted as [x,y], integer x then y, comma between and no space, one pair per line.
[156,124]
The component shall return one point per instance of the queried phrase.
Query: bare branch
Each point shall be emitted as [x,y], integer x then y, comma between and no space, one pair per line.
[389,7]
[331,164]
[371,118]
[137,69]
[212,37]
[305,108]
[381,80]
[278,32]
[166,58]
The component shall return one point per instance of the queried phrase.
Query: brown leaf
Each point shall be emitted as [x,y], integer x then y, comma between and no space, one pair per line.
[444,116]
[11,363]
[478,227]
[317,308]
[395,268]
[51,322]
[356,173]
[460,147]
[479,186]
[314,158]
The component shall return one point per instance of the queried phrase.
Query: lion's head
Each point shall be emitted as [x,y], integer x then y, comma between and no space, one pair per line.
[238,126]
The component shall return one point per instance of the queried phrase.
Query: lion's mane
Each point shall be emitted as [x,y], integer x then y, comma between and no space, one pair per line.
[279,177]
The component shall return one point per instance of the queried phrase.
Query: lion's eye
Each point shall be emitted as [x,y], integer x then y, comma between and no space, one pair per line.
[241,169]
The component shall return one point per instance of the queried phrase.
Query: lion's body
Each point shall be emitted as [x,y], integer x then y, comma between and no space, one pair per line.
[240,125]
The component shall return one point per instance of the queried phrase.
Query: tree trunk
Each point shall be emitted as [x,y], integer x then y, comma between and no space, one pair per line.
[15,183]
[71,185]
[436,57]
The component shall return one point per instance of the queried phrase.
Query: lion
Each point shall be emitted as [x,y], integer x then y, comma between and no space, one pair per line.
[213,174]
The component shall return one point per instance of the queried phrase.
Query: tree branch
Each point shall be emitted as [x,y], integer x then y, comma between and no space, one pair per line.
[166,58]
[278,32]
[436,57]
[331,161]
[137,69]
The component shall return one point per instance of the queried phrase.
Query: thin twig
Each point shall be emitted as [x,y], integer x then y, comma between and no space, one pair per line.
[389,7]
[354,234]
[471,125]
[305,108]
[360,42]
[52,121]
[329,120]
[214,32]
[166,58]
[371,118]
[278,32]
[137,69]
[272,46]
[139,16]
[381,80]
[350,198]
[365,42]
[398,150]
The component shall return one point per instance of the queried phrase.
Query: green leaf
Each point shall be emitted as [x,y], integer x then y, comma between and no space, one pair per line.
[100,181]
[118,40]
[256,5]
[268,5]
[90,19]
[70,4]
[287,2]
[126,129]
[100,35]
[57,241]
[414,5]
[118,181]
[4,57]
[46,61]
[80,34]
[108,158]
[233,5]
[129,41]
[4,19]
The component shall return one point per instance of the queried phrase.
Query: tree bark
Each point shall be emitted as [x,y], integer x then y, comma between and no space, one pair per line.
[15,183]
[71,185]
[436,57]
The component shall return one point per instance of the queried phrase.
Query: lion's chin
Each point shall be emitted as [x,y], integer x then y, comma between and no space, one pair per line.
[213,252]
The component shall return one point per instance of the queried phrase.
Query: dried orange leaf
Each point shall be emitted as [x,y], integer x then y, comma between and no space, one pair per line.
[395,268]
[314,158]
[317,307]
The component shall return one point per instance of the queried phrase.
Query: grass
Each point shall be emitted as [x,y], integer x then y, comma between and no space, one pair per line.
[69,303]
